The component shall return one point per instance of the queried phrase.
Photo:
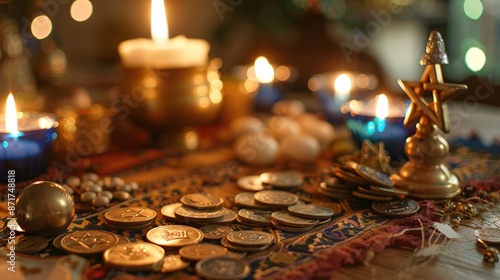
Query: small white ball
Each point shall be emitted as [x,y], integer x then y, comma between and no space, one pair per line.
[256,149]
[124,187]
[101,201]
[291,108]
[301,148]
[88,196]
[107,194]
[90,176]
[321,130]
[244,125]
[282,126]
[73,181]
[93,188]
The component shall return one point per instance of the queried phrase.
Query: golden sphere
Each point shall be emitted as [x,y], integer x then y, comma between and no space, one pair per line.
[44,207]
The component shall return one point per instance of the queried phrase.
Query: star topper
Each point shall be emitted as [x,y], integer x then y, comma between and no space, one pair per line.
[435,111]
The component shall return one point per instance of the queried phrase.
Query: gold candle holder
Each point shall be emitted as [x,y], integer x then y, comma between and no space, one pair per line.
[172,102]
[424,175]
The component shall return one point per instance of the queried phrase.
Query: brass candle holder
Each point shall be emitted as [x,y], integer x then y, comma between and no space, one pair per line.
[424,175]
[171,103]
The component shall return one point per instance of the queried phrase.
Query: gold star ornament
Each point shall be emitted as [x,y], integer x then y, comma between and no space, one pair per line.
[436,111]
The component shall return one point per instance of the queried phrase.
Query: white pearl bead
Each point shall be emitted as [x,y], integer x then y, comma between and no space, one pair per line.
[101,201]
[88,196]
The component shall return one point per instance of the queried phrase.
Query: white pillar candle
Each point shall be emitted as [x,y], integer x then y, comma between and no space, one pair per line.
[161,52]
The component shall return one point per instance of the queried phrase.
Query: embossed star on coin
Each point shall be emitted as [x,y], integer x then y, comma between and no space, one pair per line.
[129,216]
[88,242]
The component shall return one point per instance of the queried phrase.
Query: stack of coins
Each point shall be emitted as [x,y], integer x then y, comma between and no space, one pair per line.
[351,179]
[130,218]
[248,241]
[280,180]
[92,192]
[199,209]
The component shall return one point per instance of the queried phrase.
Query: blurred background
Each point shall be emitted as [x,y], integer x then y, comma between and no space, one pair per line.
[53,50]
[386,37]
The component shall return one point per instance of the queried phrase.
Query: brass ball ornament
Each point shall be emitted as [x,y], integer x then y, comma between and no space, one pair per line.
[45,208]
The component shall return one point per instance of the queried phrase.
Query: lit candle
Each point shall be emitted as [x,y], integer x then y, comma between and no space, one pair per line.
[379,122]
[26,142]
[267,94]
[161,52]
[13,148]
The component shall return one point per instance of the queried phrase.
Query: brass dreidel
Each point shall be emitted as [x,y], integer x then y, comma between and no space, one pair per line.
[424,175]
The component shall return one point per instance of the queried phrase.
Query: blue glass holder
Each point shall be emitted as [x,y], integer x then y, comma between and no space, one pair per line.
[390,130]
[27,152]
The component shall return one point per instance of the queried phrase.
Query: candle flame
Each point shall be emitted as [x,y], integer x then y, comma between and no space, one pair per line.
[264,71]
[382,110]
[342,86]
[10,115]
[159,26]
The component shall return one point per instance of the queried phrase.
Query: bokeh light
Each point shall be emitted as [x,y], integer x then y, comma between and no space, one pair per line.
[475,59]
[473,9]
[81,10]
[41,27]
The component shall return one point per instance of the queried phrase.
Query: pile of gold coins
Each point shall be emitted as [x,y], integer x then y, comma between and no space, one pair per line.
[353,180]
[199,209]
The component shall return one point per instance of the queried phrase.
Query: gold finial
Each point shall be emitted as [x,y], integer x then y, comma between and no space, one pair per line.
[434,50]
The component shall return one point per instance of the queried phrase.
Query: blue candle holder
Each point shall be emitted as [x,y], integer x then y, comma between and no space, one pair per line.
[333,89]
[389,130]
[27,152]
[266,96]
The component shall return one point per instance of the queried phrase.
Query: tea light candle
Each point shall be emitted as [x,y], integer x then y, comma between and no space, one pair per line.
[160,52]
[380,122]
[267,94]
[26,142]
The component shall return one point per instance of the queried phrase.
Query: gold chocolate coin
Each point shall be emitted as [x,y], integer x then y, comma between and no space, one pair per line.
[251,183]
[222,268]
[287,219]
[202,200]
[198,252]
[168,212]
[311,211]
[31,244]
[173,262]
[488,235]
[374,176]
[238,248]
[194,214]
[259,217]
[285,228]
[134,256]
[399,208]
[130,216]
[246,199]
[88,242]
[250,238]
[174,236]
[215,232]
[282,179]
[276,198]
